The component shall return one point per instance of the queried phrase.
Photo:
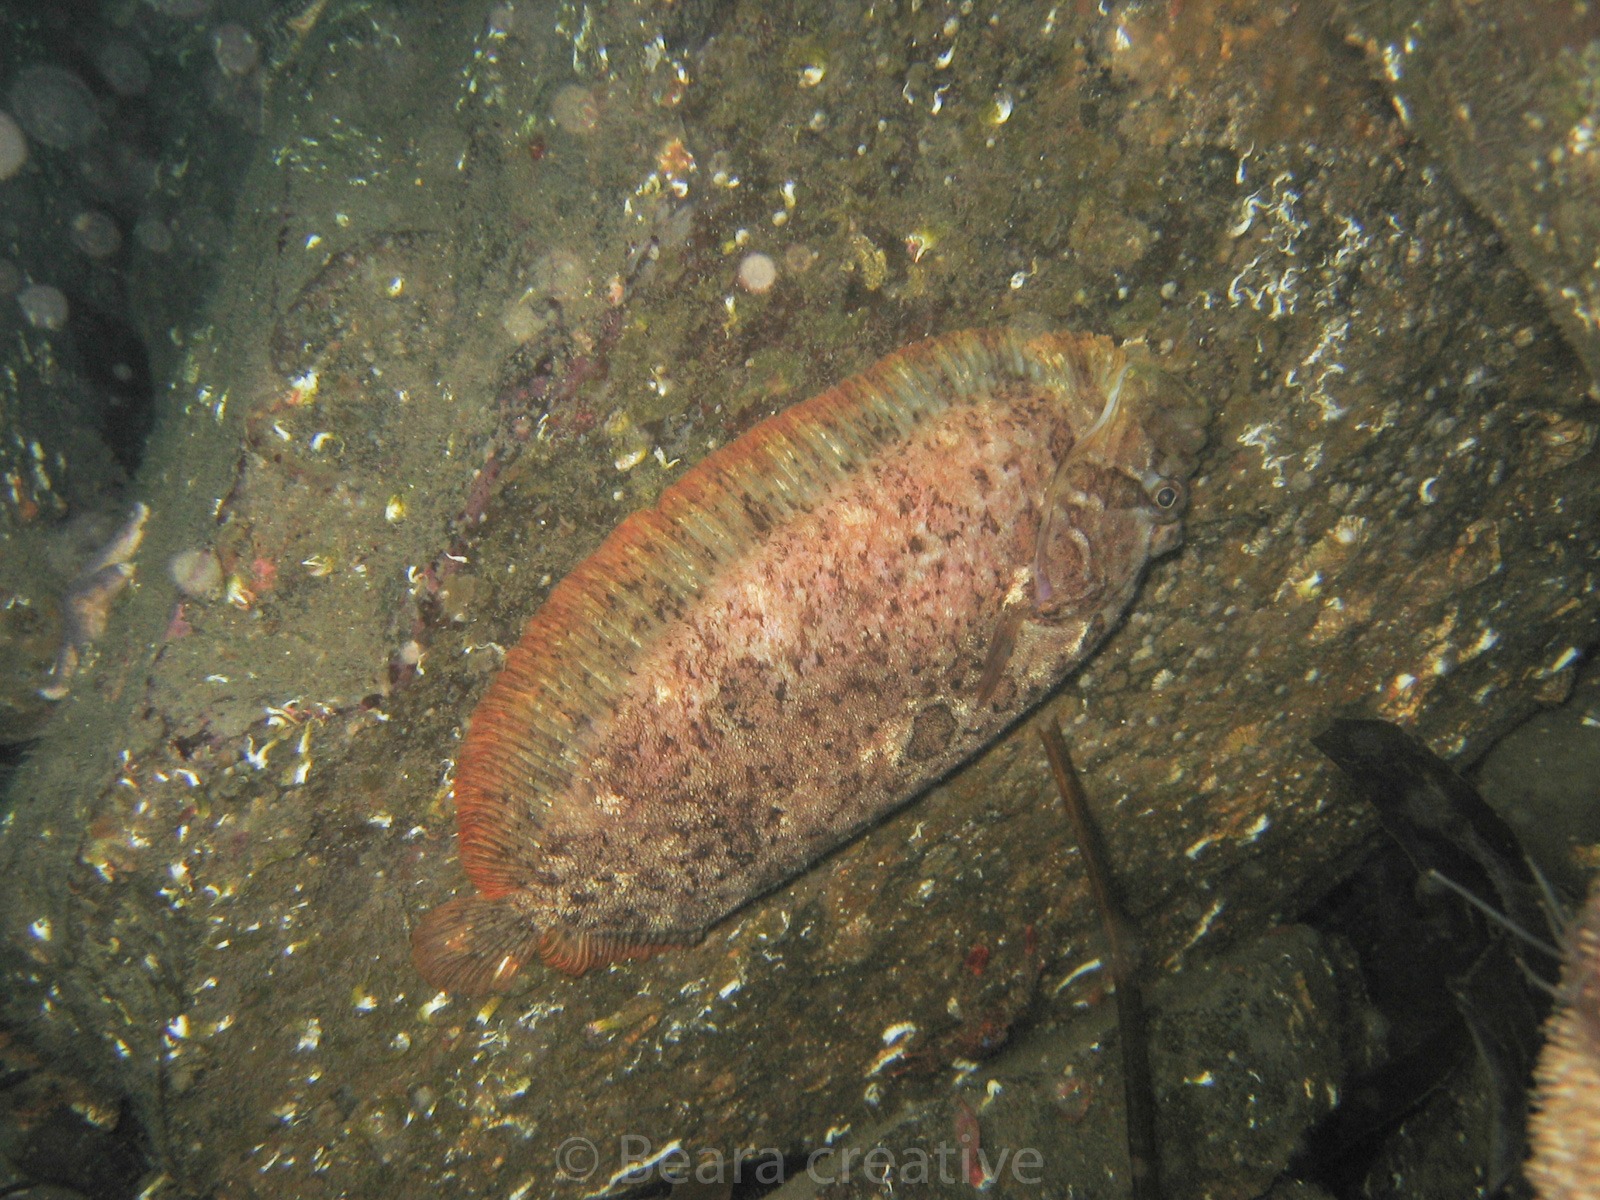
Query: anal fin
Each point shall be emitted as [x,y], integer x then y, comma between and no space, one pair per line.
[577,952]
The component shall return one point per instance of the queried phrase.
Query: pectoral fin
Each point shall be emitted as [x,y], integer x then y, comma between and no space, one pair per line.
[994,664]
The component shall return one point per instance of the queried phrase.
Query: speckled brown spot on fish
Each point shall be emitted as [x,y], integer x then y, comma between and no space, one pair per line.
[931,732]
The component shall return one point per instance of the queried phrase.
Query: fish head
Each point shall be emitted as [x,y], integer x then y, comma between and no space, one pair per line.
[1121,488]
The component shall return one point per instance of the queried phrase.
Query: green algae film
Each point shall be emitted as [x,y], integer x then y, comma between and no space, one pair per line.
[808,629]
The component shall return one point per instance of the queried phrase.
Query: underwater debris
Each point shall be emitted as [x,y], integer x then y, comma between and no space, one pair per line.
[87,605]
[1452,836]
[1564,1129]
[1126,962]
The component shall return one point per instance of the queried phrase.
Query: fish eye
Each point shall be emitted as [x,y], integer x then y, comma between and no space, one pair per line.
[1166,494]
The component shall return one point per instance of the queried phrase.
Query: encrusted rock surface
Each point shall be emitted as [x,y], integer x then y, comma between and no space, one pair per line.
[1507,96]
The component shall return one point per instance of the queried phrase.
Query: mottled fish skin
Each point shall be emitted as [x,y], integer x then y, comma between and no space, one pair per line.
[808,629]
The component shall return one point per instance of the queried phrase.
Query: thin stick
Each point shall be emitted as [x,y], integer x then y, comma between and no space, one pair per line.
[1123,951]
[1494,915]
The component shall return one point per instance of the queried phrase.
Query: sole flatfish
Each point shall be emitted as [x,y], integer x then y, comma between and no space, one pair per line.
[809,628]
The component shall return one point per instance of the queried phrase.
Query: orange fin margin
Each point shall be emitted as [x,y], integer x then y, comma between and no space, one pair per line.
[473,945]
[577,953]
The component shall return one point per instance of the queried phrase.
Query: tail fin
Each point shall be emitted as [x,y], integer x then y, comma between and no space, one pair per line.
[473,945]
